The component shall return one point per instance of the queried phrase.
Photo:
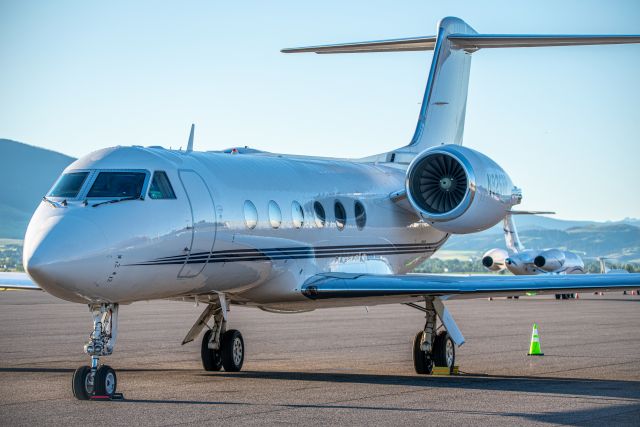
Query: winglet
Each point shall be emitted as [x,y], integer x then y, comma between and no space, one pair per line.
[190,143]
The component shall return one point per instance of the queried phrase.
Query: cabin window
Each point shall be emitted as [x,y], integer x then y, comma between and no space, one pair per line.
[69,185]
[117,184]
[341,215]
[160,187]
[297,214]
[361,215]
[250,215]
[275,215]
[320,215]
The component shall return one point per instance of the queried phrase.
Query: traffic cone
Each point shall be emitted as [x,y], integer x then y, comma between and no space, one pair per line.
[534,349]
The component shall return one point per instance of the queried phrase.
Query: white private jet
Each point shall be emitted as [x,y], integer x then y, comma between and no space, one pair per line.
[287,233]
[521,261]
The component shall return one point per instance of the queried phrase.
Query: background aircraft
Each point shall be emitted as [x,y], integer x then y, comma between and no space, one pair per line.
[521,261]
[287,233]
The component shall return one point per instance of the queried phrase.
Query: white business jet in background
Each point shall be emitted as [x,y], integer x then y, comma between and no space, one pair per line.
[521,261]
[287,233]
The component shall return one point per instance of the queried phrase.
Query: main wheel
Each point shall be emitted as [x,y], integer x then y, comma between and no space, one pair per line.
[105,381]
[421,360]
[211,359]
[444,352]
[232,349]
[82,383]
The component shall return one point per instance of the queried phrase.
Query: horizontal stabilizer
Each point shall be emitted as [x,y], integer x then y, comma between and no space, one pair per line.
[469,42]
[484,41]
[393,45]
[531,213]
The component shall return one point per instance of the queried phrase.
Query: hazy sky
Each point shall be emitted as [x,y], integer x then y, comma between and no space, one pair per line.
[563,122]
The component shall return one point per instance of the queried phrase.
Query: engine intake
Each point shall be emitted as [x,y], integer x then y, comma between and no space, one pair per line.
[459,190]
[439,183]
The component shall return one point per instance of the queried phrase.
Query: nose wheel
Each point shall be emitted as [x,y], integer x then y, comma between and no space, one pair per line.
[87,384]
[98,381]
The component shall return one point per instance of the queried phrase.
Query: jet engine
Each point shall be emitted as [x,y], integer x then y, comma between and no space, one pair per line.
[554,260]
[494,259]
[459,190]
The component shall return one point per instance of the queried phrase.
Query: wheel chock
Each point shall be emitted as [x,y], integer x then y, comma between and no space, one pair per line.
[443,370]
[114,396]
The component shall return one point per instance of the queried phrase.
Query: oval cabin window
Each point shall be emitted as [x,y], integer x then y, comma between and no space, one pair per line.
[361,215]
[250,215]
[275,215]
[320,215]
[341,215]
[297,214]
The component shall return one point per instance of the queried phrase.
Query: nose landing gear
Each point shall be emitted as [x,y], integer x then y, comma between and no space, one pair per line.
[98,381]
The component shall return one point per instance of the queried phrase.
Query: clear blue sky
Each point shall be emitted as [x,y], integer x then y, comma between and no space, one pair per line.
[564,122]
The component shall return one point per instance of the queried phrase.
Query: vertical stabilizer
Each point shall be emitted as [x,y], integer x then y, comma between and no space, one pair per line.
[511,238]
[511,232]
[442,113]
[444,104]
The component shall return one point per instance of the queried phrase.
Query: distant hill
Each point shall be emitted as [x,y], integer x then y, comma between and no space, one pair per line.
[619,241]
[26,174]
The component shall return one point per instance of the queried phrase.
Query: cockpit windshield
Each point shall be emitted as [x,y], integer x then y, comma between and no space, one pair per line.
[69,185]
[117,184]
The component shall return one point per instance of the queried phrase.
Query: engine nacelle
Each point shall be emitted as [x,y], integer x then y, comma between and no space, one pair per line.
[494,259]
[550,260]
[459,190]
[555,260]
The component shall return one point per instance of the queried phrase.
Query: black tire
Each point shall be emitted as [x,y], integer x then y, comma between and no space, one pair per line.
[444,351]
[232,349]
[105,382]
[80,386]
[211,359]
[557,296]
[421,361]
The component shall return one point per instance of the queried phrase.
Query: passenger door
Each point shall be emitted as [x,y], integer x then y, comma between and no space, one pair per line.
[203,223]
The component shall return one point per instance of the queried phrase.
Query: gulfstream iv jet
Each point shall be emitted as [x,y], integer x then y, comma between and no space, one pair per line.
[287,233]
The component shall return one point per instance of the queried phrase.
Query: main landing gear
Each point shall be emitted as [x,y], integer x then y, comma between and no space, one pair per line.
[431,347]
[220,348]
[98,381]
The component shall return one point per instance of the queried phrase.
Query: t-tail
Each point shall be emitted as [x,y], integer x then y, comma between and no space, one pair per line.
[511,238]
[442,113]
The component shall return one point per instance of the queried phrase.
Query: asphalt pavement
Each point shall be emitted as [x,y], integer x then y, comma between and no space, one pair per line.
[333,366]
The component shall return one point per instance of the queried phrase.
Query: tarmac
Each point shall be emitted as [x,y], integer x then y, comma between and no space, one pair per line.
[333,366]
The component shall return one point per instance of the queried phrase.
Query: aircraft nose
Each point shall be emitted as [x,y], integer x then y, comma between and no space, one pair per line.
[67,256]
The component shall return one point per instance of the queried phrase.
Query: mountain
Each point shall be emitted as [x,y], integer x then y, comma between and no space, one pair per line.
[26,174]
[619,241]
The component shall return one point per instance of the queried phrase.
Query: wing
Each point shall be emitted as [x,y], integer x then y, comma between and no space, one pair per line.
[11,281]
[369,286]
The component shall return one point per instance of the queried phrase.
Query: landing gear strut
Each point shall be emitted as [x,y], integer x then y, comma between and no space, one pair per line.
[431,348]
[220,348]
[98,380]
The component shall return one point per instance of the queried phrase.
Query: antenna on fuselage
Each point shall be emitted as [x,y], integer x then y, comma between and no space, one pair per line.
[190,143]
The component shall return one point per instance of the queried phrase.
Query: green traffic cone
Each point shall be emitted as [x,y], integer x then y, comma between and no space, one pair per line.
[534,349]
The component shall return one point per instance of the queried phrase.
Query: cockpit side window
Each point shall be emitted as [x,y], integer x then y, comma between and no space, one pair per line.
[117,184]
[69,185]
[161,187]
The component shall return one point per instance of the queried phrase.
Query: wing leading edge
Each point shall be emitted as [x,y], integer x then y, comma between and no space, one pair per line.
[340,285]
[17,281]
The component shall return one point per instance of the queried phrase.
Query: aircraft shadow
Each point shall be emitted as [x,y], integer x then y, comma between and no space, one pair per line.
[525,384]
